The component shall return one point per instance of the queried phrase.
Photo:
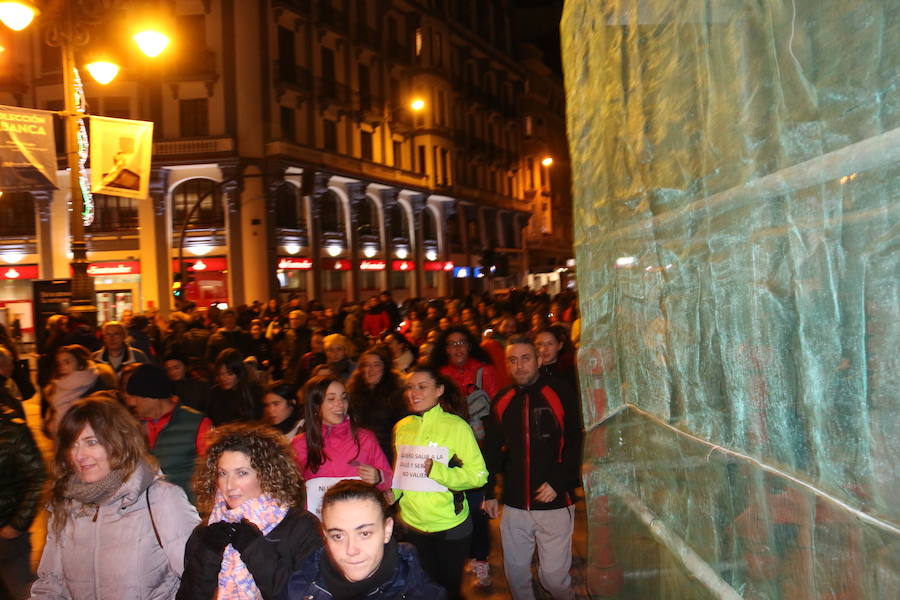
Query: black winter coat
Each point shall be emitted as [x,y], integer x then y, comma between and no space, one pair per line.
[270,559]
[409,582]
[534,436]
[21,472]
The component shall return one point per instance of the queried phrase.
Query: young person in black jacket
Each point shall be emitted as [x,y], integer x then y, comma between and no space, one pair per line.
[362,559]
[258,531]
[534,439]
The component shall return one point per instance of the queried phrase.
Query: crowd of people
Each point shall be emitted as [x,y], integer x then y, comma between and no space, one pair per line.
[283,450]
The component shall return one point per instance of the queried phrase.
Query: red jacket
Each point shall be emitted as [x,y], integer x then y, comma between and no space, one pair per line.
[464,377]
[376,323]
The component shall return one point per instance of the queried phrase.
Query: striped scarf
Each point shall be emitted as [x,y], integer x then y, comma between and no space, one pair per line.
[235,580]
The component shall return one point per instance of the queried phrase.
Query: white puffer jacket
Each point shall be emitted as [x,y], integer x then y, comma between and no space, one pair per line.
[112,553]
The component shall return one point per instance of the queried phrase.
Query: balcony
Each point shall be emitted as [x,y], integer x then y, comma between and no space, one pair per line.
[291,76]
[194,66]
[300,7]
[332,18]
[181,148]
[330,92]
[368,36]
[399,52]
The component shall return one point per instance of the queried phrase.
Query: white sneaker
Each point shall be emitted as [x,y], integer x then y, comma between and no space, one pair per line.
[482,571]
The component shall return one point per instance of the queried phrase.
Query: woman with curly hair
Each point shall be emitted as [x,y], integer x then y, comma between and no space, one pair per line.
[376,399]
[258,531]
[117,529]
[332,445]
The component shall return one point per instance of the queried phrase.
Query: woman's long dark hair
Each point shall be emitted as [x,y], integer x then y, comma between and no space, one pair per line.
[313,396]
[389,382]
[451,400]
[439,356]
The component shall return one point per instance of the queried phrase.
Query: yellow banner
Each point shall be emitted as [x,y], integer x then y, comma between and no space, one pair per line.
[120,156]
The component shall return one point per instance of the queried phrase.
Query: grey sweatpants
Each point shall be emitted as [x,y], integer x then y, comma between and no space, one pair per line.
[551,530]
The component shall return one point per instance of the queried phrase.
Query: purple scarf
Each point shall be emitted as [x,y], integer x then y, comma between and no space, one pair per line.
[235,580]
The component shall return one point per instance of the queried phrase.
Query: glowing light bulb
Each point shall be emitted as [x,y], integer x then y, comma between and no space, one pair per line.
[17,15]
[369,251]
[417,104]
[152,43]
[333,250]
[103,71]
[402,253]
[547,161]
[292,248]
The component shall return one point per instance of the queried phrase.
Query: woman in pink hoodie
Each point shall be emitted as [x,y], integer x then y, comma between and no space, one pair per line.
[331,445]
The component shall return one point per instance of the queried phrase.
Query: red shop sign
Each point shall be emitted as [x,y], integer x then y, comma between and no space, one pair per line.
[301,264]
[438,265]
[202,264]
[404,265]
[104,269]
[336,264]
[19,272]
[372,265]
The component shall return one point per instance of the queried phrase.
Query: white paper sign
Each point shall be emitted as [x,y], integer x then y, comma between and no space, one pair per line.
[315,491]
[409,474]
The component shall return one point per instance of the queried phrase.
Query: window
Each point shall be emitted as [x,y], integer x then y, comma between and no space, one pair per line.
[330,131]
[398,280]
[334,281]
[429,226]
[194,117]
[328,64]
[117,107]
[418,41]
[398,154]
[289,212]
[332,213]
[288,125]
[528,125]
[421,165]
[399,222]
[209,214]
[365,144]
[529,173]
[17,215]
[437,50]
[287,70]
[441,108]
[365,87]
[114,213]
[445,165]
[367,217]
[368,280]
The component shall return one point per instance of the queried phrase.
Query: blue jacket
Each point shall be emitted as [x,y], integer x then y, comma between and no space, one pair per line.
[409,582]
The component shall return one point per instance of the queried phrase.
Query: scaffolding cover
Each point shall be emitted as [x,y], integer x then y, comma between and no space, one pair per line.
[736,169]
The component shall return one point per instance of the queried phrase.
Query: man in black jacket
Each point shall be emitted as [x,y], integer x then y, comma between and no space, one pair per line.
[534,439]
[21,483]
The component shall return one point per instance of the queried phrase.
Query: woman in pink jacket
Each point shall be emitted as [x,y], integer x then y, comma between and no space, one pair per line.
[331,445]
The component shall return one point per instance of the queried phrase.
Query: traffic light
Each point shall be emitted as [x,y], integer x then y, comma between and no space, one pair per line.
[177,287]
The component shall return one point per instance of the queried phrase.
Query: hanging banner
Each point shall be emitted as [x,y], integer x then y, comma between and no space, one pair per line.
[27,149]
[120,156]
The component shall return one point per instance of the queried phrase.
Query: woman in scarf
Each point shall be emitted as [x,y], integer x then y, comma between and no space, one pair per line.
[258,531]
[109,501]
[75,376]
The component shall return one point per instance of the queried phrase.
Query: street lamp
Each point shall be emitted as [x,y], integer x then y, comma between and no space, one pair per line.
[547,161]
[67,27]
[417,105]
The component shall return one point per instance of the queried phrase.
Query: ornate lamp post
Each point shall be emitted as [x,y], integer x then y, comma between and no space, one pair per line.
[67,26]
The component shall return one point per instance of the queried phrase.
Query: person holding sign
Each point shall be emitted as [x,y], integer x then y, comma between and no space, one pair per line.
[258,531]
[362,559]
[437,460]
[331,446]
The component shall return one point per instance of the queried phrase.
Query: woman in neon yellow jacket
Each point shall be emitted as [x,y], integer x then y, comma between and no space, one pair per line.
[438,459]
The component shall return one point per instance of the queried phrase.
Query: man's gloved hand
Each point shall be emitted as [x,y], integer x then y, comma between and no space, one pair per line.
[218,535]
[244,534]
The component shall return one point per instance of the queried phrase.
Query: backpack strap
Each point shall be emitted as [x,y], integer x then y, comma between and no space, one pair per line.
[152,520]
[559,413]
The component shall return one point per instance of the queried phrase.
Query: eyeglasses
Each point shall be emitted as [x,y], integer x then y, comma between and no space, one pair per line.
[457,344]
